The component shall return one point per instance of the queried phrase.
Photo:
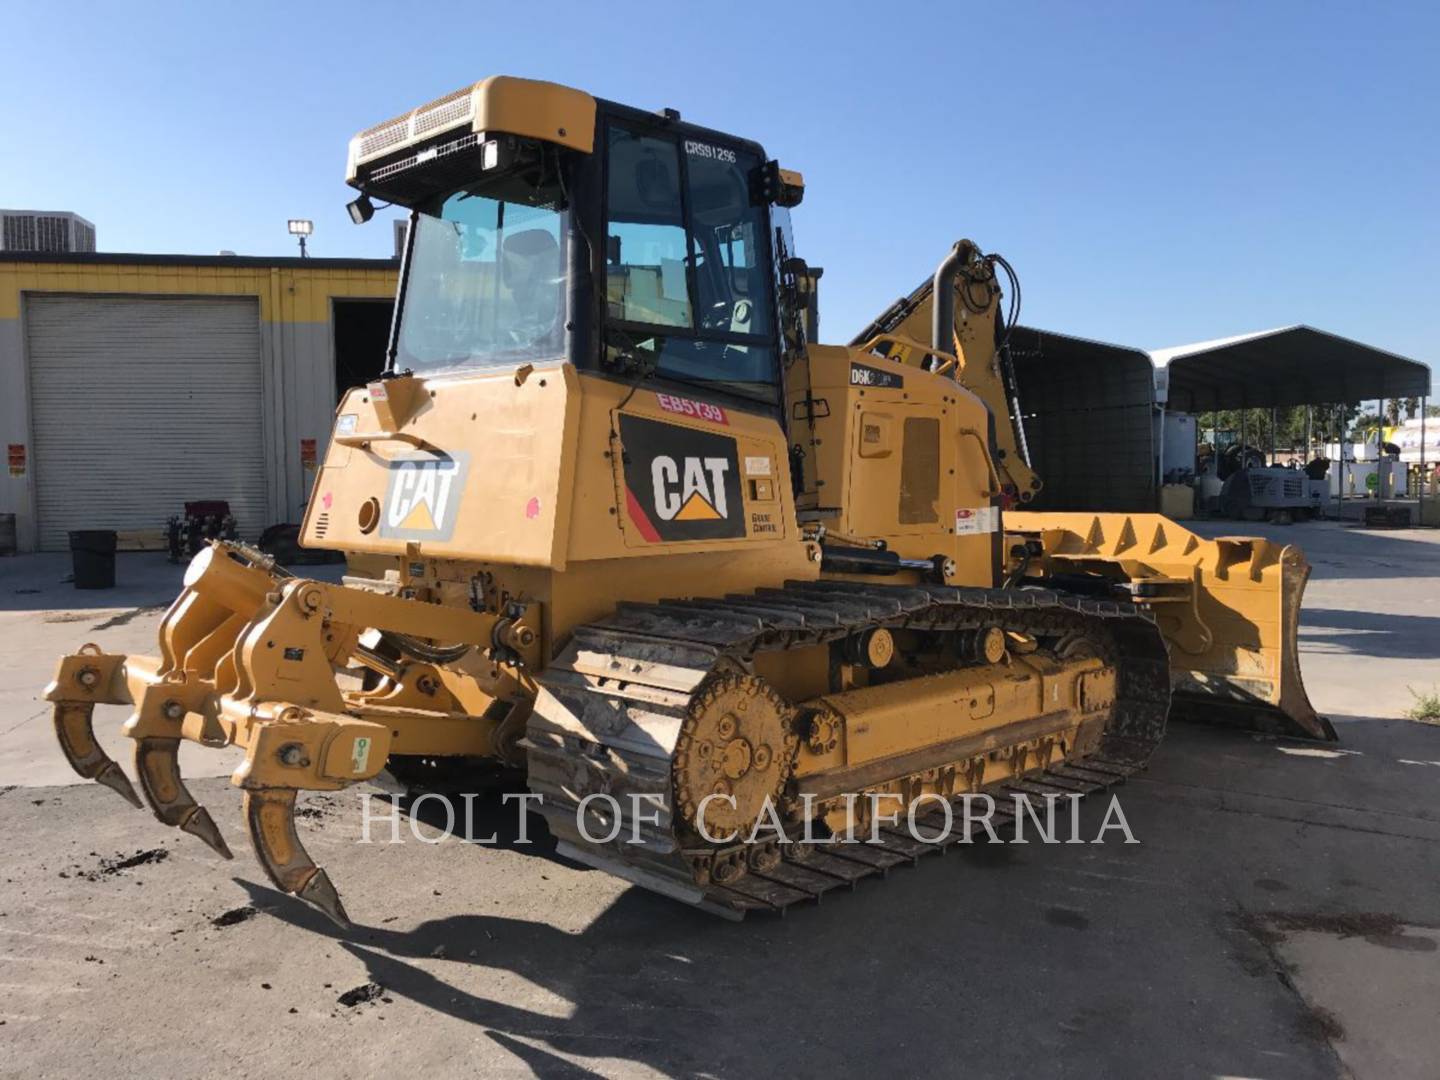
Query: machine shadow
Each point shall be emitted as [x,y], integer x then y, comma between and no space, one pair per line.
[1371,633]
[656,984]
[1348,552]
[591,970]
[492,816]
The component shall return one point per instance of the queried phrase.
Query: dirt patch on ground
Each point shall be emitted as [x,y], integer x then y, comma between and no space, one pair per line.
[111,866]
[1348,924]
[235,916]
[1387,931]
[1321,1025]
[1378,928]
[128,616]
[361,994]
[315,808]
[1270,929]
[1066,917]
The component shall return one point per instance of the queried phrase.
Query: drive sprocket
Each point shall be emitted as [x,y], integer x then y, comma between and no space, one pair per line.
[738,744]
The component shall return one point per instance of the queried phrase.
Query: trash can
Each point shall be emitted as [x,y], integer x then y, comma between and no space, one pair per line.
[92,552]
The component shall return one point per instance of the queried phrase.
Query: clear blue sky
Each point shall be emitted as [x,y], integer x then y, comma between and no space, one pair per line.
[1157,173]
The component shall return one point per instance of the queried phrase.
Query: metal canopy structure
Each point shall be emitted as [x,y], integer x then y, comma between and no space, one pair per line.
[1294,365]
[1087,407]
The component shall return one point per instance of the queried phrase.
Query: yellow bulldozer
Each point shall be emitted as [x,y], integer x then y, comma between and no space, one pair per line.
[615,519]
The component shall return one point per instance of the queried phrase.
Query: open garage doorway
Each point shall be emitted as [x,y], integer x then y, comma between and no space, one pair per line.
[362,331]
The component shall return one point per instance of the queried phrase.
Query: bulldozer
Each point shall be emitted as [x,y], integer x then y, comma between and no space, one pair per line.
[1229,608]
[614,518]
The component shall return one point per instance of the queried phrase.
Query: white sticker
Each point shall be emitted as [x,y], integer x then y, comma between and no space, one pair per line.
[983,519]
[706,150]
[757,466]
[346,424]
[360,754]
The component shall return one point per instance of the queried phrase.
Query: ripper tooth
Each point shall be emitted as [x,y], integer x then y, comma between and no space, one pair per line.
[74,727]
[86,678]
[270,816]
[157,764]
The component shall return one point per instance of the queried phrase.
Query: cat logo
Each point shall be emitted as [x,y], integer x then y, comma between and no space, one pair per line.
[423,497]
[680,483]
[690,490]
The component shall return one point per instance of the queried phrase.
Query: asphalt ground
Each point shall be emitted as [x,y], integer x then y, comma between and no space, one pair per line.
[1277,918]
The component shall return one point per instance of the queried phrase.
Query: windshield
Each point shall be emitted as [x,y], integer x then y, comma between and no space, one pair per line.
[486,283]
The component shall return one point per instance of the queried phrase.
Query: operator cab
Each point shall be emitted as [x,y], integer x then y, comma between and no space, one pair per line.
[548,226]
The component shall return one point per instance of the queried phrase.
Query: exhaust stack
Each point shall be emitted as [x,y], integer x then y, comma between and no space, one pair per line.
[942,325]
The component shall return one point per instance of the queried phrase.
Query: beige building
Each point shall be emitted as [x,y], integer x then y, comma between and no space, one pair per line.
[130,384]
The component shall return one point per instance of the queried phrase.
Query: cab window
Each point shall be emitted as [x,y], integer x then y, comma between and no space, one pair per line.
[731,290]
[646,280]
[687,274]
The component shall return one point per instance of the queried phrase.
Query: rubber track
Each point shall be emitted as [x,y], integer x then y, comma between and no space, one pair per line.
[612,705]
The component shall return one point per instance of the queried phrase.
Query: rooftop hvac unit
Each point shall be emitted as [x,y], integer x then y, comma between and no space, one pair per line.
[45,230]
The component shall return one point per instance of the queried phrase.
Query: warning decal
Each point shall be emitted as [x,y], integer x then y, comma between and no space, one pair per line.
[984,519]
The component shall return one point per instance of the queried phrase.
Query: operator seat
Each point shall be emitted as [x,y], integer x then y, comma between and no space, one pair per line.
[530,269]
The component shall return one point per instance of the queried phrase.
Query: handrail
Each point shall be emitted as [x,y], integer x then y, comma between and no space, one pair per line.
[989,461]
[365,438]
[948,360]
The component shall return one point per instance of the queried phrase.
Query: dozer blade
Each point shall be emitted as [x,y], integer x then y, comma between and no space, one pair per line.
[270,815]
[1229,609]
[75,729]
[157,764]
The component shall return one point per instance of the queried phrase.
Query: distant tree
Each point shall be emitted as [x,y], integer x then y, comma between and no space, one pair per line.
[1368,424]
[1394,406]
[1328,423]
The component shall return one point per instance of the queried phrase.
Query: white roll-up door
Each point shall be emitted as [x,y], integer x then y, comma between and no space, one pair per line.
[140,404]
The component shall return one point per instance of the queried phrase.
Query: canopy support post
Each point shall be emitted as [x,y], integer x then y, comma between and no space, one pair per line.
[1340,444]
[1424,480]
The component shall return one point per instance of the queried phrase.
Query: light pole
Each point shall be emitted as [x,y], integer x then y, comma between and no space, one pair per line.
[302,228]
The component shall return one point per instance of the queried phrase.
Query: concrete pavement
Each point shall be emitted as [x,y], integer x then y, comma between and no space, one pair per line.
[1278,917]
